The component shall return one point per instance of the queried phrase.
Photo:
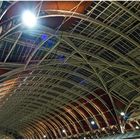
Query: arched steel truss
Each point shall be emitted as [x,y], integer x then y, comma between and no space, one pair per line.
[74,107]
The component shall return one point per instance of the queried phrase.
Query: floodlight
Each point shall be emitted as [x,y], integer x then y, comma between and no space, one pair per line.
[122,114]
[29,19]
[92,122]
[64,131]
[137,127]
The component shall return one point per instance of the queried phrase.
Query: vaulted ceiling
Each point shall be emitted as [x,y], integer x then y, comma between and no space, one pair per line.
[80,64]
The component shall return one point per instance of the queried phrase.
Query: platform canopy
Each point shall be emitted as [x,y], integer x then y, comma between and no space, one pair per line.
[75,74]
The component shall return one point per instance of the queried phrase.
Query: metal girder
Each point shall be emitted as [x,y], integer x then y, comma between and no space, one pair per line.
[97,57]
[35,50]
[131,102]
[53,91]
[121,79]
[118,77]
[94,41]
[81,37]
[6,10]
[72,92]
[105,88]
[61,13]
[97,64]
[54,47]
[102,66]
[66,79]
[126,10]
[67,13]
[12,47]
[91,20]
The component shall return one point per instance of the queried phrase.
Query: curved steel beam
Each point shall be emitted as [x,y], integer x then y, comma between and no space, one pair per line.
[36,49]
[108,71]
[61,13]
[111,64]
[12,48]
[90,20]
[72,107]
[100,78]
[131,102]
[126,10]
[50,128]
[84,116]
[67,89]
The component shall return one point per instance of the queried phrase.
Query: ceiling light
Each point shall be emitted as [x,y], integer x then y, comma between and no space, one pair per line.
[29,19]
[92,122]
[63,130]
[137,127]
[122,113]
[103,128]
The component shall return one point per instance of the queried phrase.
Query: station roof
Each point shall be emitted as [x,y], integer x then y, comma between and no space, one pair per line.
[74,73]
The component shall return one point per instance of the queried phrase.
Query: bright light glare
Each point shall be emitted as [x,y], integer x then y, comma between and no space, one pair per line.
[122,113]
[44,136]
[29,19]
[92,122]
[137,127]
[103,128]
[63,130]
